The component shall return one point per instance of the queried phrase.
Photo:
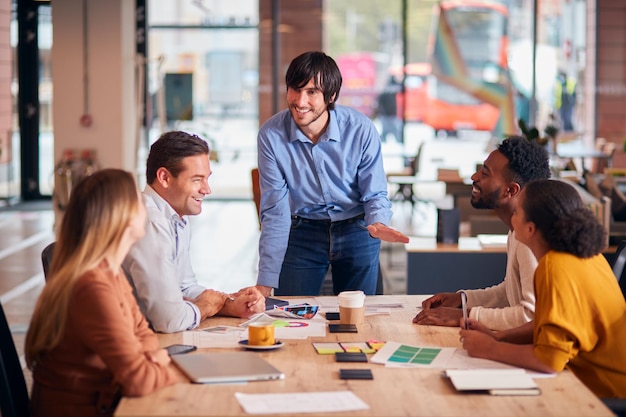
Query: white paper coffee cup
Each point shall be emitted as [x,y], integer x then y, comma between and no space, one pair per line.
[351,299]
[351,307]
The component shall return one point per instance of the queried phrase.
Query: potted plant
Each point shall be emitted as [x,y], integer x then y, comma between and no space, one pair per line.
[551,132]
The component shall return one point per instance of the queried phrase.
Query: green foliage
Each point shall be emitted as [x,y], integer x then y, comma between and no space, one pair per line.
[531,133]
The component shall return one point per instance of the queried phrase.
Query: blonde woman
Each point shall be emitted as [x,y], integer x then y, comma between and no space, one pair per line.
[88,342]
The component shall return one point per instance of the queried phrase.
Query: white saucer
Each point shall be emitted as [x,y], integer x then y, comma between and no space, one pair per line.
[276,345]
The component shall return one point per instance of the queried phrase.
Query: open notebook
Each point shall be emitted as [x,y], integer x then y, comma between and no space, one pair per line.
[206,368]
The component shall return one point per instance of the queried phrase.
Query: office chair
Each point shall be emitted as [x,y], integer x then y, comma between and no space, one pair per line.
[256,192]
[620,260]
[405,180]
[46,258]
[46,261]
[616,405]
[13,391]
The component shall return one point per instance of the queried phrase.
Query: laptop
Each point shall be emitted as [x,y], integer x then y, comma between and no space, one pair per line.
[207,368]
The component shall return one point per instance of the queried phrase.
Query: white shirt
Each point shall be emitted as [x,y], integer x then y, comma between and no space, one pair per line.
[160,268]
[510,303]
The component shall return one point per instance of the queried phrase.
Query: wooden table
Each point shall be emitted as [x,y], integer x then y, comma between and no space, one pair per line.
[393,392]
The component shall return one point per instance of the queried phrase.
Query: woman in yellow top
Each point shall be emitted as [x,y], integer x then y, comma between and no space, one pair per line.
[88,342]
[580,313]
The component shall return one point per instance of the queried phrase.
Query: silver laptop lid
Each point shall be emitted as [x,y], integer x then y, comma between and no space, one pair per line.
[205,368]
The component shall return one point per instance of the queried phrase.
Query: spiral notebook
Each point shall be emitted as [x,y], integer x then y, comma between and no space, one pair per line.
[219,367]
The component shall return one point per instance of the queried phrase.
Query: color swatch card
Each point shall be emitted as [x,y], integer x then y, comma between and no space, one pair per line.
[401,355]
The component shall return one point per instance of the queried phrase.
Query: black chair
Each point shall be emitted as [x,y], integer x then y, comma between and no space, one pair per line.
[13,391]
[616,405]
[46,258]
[46,261]
[620,260]
[405,180]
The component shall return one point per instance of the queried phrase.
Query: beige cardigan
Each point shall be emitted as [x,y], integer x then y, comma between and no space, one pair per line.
[512,302]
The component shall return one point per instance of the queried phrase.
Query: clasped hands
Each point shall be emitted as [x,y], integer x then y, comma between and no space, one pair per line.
[244,303]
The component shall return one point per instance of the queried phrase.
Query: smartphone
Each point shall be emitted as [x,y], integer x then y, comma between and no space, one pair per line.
[464,307]
[180,349]
[342,328]
[270,303]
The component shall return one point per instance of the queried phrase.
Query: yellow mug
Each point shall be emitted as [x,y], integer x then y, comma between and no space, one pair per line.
[261,334]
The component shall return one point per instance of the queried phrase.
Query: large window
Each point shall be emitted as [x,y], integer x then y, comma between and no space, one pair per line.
[456,83]
[464,68]
[203,78]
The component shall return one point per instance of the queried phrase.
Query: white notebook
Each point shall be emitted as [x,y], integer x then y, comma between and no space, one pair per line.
[494,381]
[206,368]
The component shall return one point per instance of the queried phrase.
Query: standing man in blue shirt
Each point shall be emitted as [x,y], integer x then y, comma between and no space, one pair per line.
[323,189]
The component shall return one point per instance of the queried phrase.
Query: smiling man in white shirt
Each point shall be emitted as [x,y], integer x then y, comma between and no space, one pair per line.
[177,173]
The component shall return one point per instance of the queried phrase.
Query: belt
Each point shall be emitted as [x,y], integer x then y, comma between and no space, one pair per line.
[329,222]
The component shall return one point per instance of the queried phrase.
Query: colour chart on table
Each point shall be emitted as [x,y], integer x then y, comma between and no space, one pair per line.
[414,355]
[402,355]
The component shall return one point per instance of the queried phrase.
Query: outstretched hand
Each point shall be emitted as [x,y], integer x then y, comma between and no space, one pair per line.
[386,233]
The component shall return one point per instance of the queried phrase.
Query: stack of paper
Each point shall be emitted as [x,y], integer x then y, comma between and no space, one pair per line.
[492,241]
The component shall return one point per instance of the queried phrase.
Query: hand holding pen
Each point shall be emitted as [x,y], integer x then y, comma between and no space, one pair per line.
[464,324]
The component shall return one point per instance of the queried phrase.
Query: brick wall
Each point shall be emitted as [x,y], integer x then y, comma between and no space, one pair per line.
[6,101]
[300,30]
[611,75]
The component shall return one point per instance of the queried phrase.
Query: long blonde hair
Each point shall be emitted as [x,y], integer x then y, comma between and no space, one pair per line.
[100,208]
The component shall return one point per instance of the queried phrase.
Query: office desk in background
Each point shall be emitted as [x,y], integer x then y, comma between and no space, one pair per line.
[576,150]
[436,267]
[392,392]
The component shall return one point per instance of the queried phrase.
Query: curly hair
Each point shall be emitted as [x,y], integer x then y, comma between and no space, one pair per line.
[319,67]
[527,160]
[563,220]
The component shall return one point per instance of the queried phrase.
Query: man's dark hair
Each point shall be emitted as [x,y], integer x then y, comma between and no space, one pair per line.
[170,149]
[319,67]
[528,161]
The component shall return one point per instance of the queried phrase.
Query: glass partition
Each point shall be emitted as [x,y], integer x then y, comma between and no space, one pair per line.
[462,72]
[203,78]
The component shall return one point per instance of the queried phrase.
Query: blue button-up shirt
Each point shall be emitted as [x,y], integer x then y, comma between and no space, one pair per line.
[339,177]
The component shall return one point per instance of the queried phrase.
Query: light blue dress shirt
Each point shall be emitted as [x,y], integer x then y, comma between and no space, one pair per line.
[160,267]
[338,178]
